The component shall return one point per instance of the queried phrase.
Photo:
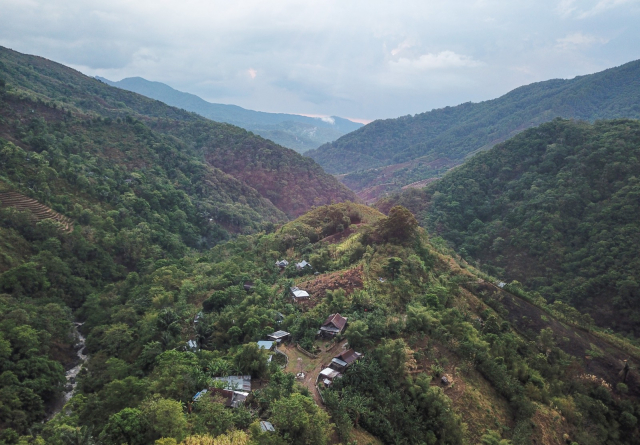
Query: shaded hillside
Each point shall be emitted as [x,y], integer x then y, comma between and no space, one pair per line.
[300,133]
[555,208]
[452,133]
[35,78]
[291,182]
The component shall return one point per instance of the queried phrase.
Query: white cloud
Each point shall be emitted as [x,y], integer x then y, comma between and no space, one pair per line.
[602,6]
[328,120]
[577,40]
[402,46]
[362,58]
[431,61]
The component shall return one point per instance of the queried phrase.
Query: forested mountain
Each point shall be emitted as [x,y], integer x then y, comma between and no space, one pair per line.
[555,208]
[115,215]
[300,133]
[302,185]
[387,154]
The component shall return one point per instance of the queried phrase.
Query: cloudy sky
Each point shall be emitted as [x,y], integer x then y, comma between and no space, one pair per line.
[358,59]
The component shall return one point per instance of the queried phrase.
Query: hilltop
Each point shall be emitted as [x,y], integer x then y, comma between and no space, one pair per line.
[300,133]
[386,155]
[554,208]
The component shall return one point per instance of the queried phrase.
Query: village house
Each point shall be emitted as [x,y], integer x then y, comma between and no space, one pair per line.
[268,345]
[266,426]
[328,375]
[303,264]
[299,294]
[279,336]
[282,264]
[332,326]
[343,360]
[232,399]
[249,286]
[236,382]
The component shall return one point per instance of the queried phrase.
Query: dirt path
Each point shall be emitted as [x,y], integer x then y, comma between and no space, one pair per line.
[311,366]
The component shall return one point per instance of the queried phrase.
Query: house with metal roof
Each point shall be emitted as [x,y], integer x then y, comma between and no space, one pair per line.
[333,325]
[232,399]
[236,382]
[328,375]
[282,264]
[266,426]
[279,336]
[302,264]
[299,294]
[343,360]
[268,345]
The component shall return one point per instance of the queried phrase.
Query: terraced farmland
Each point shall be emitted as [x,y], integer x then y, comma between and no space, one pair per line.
[38,210]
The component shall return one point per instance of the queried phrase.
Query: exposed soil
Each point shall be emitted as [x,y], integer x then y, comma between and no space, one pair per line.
[348,280]
[419,184]
[529,320]
[311,366]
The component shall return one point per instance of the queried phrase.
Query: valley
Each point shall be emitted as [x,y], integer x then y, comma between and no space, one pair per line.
[167,279]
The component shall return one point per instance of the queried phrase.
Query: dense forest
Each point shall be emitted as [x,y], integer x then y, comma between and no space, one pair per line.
[300,133]
[408,149]
[554,208]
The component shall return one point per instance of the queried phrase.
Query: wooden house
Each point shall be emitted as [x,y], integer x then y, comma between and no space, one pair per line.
[333,325]
[343,360]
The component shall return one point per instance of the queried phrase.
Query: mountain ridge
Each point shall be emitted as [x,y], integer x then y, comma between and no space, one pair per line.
[457,132]
[290,130]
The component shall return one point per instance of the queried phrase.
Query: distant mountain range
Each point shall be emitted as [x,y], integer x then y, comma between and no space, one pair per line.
[300,133]
[388,154]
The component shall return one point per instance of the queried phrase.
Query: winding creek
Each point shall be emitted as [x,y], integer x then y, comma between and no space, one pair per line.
[72,373]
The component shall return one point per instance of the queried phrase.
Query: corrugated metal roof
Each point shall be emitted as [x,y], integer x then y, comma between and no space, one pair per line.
[340,362]
[266,426]
[279,334]
[236,382]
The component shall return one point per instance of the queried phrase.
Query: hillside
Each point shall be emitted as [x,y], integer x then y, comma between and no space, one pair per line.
[396,152]
[554,208]
[34,78]
[514,370]
[300,133]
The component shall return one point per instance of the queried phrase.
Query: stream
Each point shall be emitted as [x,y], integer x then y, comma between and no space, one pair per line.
[72,373]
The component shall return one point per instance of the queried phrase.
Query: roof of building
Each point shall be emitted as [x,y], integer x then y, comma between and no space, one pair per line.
[330,373]
[282,263]
[232,398]
[302,264]
[339,362]
[336,320]
[349,356]
[263,344]
[236,382]
[279,334]
[199,394]
[266,426]
[299,293]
